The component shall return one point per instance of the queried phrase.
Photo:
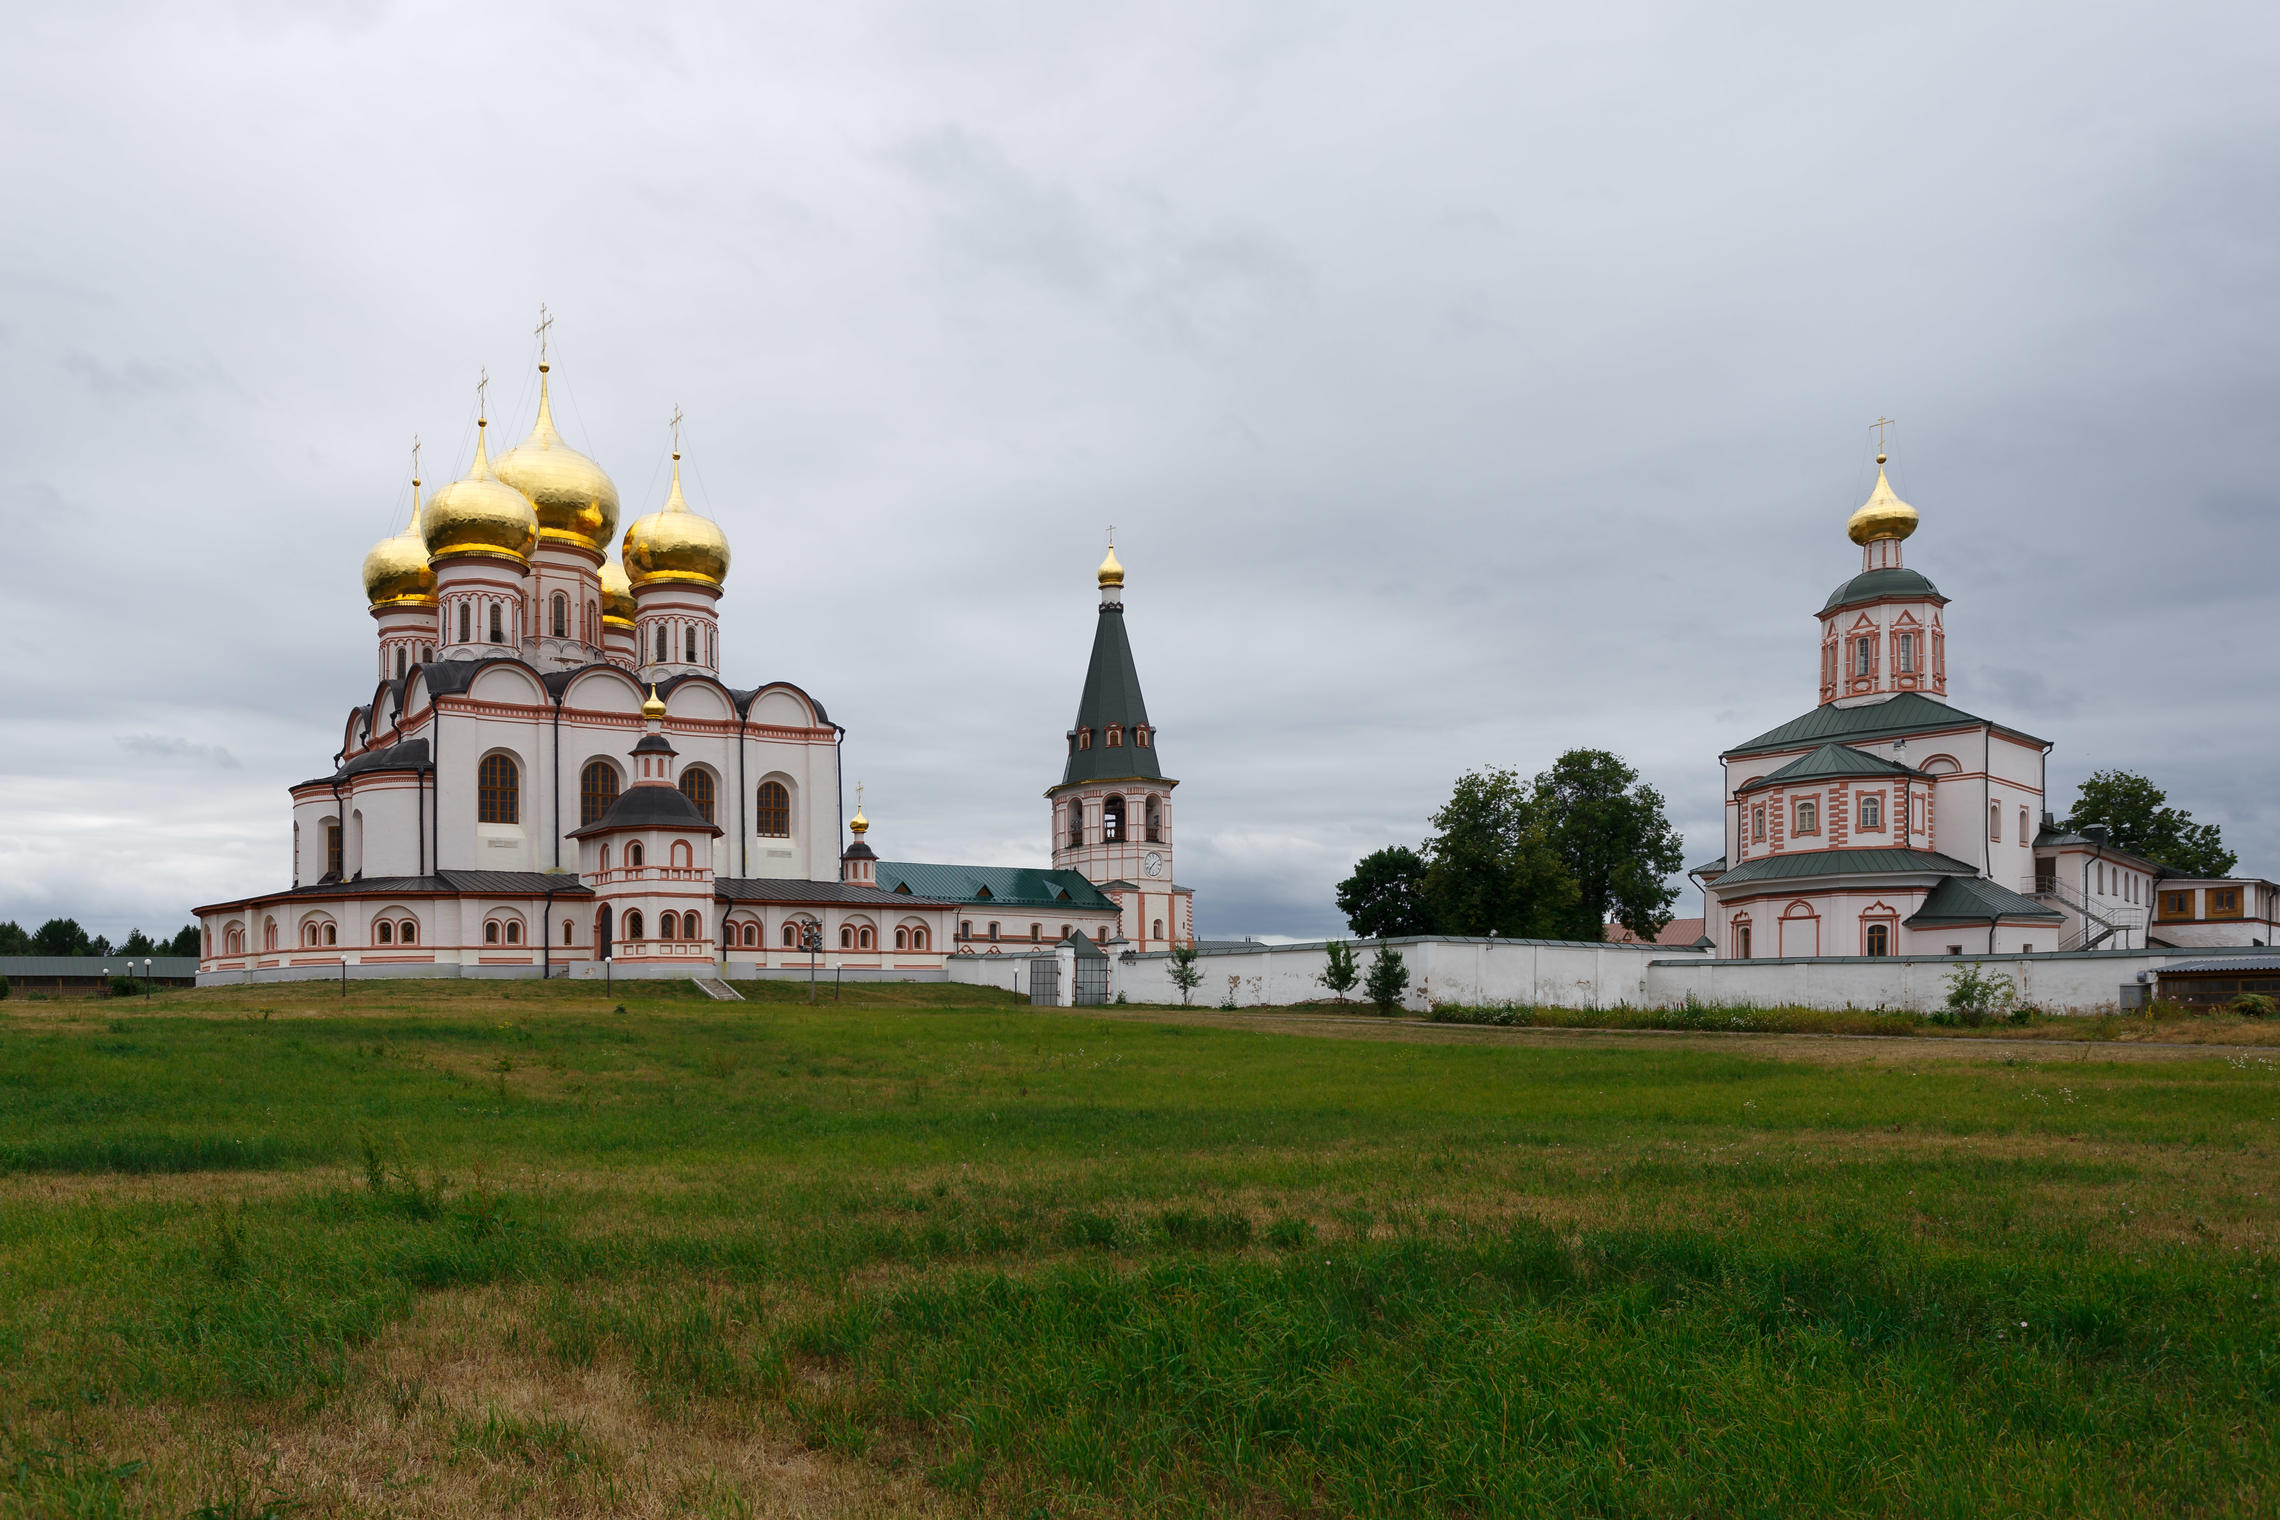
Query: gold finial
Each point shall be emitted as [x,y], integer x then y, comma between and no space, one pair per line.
[1111,569]
[544,322]
[655,706]
[859,823]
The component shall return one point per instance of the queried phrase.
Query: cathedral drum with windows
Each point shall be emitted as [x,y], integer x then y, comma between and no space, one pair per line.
[550,771]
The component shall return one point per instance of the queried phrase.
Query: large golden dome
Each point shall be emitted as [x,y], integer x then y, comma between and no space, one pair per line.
[576,502]
[1883,515]
[396,571]
[617,594]
[480,515]
[675,544]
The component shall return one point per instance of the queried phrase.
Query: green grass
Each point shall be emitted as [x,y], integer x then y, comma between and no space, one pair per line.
[1041,1262]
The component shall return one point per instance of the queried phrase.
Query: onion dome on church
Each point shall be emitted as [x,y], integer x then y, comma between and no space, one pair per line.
[396,570]
[480,515]
[1111,569]
[675,544]
[577,503]
[1883,515]
[655,706]
[617,594]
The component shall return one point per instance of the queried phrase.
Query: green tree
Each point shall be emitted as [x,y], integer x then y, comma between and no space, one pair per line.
[1388,980]
[1385,897]
[1609,830]
[1338,970]
[1491,867]
[2138,818]
[137,943]
[13,939]
[61,936]
[1184,972]
[185,942]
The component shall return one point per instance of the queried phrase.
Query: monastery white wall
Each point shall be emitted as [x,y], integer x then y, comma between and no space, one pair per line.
[1547,973]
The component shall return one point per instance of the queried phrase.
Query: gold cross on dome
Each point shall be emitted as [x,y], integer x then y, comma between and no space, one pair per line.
[1112,535]
[1880,424]
[858,796]
[544,322]
[483,394]
[676,432]
[415,459]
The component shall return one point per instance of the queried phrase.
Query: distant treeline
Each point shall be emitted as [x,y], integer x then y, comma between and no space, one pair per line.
[63,936]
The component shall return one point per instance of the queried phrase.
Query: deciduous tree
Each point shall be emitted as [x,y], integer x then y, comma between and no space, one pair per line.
[1385,897]
[2138,818]
[1609,830]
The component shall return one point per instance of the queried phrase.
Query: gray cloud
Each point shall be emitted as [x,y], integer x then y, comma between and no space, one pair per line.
[1465,382]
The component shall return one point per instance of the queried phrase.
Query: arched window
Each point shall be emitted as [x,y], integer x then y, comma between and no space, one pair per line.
[466,611]
[498,624]
[1066,930]
[1864,656]
[918,939]
[427,654]
[498,791]
[1115,736]
[846,937]
[234,942]
[661,644]
[561,615]
[775,810]
[689,643]
[682,859]
[863,939]
[514,933]
[309,934]
[791,937]
[691,927]
[902,939]
[965,928]
[1155,816]
[1140,736]
[993,930]
[752,933]
[400,652]
[1112,820]
[1741,938]
[1076,824]
[667,924]
[1036,933]
[597,791]
[1904,654]
[1084,738]
[1871,811]
[332,847]
[633,854]
[697,786]
[712,647]
[332,934]
[383,932]
[1879,939]
[633,923]
[2023,827]
[1757,824]
[1808,816]
[569,935]
[407,933]
[491,932]
[1995,821]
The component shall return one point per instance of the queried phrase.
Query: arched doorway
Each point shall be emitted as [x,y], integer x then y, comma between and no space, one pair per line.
[603,938]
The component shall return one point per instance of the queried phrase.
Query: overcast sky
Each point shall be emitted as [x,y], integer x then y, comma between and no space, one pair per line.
[1466,382]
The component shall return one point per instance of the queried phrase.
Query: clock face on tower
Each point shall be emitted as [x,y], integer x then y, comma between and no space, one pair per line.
[1154,864]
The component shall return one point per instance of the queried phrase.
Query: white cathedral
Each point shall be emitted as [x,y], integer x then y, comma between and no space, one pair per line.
[550,774]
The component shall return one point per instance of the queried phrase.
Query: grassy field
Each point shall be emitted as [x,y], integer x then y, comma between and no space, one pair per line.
[459,1249]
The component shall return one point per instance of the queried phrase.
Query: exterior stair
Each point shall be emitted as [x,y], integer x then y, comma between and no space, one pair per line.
[2098,923]
[718,990]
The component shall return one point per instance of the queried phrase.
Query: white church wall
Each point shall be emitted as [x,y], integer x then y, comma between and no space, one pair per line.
[2077,983]
[1544,973]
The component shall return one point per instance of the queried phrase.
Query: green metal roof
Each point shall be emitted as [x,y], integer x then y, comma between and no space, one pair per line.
[1973,900]
[1111,697]
[1830,760]
[1798,865]
[1879,585]
[1908,713]
[996,886]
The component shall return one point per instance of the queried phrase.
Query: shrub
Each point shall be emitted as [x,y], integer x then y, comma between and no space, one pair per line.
[1339,972]
[4,988]
[1388,980]
[1975,997]
[1184,972]
[2255,1005]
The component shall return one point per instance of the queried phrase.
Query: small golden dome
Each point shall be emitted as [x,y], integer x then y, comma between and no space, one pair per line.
[577,503]
[1883,515]
[396,570]
[479,515]
[655,706]
[1111,572]
[859,824]
[675,544]
[617,594]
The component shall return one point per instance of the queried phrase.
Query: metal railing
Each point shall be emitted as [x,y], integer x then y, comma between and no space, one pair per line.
[2100,921]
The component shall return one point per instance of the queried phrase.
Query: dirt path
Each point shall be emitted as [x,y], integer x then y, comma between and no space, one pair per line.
[1788,1047]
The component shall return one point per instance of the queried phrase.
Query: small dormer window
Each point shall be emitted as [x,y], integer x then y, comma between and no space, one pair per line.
[1115,736]
[1084,738]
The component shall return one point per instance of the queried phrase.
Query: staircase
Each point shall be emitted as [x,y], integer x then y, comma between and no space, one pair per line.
[718,990]
[2098,923]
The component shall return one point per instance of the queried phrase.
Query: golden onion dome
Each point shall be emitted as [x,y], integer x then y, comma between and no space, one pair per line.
[1111,571]
[577,503]
[1883,515]
[396,570]
[617,594]
[655,706]
[675,544]
[480,515]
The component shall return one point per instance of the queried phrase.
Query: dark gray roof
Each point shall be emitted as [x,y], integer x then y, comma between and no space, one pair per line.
[1708,867]
[441,884]
[95,965]
[411,755]
[1111,696]
[648,807]
[1799,865]
[794,890]
[1908,713]
[996,886]
[1830,760]
[1878,585]
[2249,961]
[1085,948]
[1975,900]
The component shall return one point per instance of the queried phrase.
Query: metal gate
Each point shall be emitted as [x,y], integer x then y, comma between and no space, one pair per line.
[1045,982]
[1092,980]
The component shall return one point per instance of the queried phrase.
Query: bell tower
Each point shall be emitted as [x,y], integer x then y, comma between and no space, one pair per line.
[1112,811]
[1882,632]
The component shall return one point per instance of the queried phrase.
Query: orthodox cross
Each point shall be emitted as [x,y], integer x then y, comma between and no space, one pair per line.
[676,432]
[544,322]
[483,394]
[1112,535]
[415,459]
[858,796]
[1880,424]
